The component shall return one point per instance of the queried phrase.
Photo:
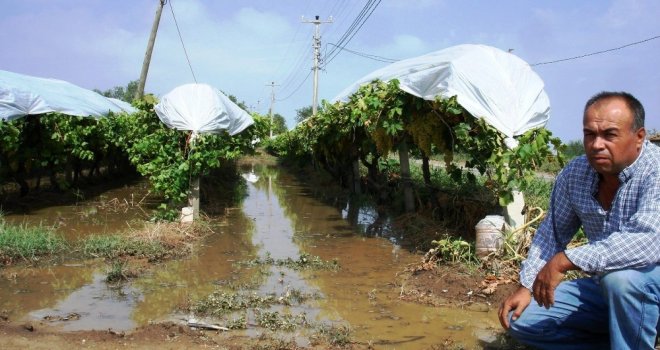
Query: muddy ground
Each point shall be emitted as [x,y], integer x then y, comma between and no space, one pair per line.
[427,282]
[440,286]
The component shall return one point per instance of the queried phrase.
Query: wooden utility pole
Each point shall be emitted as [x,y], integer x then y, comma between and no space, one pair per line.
[317,60]
[150,48]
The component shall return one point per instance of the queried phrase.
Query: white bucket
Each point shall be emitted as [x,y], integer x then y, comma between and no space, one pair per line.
[489,235]
[187,214]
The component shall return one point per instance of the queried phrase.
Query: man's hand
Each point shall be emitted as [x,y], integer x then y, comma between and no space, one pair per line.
[549,277]
[518,301]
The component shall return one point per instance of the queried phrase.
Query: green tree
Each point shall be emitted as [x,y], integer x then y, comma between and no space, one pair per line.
[279,124]
[573,149]
[306,112]
[303,113]
[120,92]
[234,99]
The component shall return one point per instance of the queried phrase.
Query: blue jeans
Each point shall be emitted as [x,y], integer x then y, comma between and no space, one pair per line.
[621,310]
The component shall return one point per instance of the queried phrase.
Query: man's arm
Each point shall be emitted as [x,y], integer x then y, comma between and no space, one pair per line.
[556,230]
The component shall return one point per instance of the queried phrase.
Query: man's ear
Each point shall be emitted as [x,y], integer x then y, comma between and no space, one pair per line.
[641,136]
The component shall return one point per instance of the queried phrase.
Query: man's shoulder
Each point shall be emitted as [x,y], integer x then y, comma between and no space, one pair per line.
[577,166]
[577,175]
[650,159]
[653,150]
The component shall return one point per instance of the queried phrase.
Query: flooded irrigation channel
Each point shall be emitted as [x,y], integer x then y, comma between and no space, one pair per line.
[280,218]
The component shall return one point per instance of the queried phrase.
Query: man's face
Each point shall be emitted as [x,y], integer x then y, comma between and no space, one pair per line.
[609,141]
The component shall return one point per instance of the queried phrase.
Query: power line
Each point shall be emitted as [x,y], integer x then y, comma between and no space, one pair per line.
[297,68]
[181,39]
[355,27]
[369,56]
[292,79]
[597,52]
[298,88]
[337,11]
[293,39]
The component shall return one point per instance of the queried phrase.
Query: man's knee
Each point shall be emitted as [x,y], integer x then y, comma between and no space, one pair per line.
[629,281]
[619,282]
[531,325]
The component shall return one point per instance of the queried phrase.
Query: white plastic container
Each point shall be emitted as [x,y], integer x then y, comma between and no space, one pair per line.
[187,214]
[489,235]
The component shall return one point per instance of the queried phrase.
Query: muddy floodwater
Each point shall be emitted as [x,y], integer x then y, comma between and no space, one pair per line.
[281,217]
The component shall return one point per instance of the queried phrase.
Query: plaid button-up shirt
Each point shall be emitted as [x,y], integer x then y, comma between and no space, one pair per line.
[626,236]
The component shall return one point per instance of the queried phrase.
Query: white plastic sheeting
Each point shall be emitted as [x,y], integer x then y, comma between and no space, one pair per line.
[201,108]
[21,95]
[123,105]
[489,83]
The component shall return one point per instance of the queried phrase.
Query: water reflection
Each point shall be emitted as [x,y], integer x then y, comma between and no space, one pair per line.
[94,306]
[23,290]
[109,212]
[282,217]
[370,220]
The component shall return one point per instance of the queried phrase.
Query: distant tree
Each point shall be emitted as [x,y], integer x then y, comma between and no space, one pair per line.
[233,98]
[279,124]
[305,112]
[573,149]
[120,92]
[653,135]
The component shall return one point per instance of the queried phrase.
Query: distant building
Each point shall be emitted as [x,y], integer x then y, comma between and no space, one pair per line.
[655,139]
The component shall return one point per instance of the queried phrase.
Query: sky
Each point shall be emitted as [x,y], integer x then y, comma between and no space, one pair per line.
[254,49]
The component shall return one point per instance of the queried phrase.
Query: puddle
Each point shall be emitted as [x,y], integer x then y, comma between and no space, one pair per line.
[280,217]
[112,211]
[96,305]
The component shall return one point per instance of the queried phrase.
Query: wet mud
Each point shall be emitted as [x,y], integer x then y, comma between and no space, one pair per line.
[281,217]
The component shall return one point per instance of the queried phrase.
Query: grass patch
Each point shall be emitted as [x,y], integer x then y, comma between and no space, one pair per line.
[115,246]
[120,272]
[154,242]
[274,320]
[29,244]
[221,303]
[304,261]
[335,335]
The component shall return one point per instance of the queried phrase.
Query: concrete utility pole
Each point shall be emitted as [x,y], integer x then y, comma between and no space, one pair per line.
[317,60]
[272,102]
[150,48]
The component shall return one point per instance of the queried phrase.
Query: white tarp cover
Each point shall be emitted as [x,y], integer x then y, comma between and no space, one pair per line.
[21,95]
[123,105]
[201,108]
[488,82]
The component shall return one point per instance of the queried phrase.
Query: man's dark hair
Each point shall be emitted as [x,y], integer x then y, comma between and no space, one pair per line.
[633,104]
